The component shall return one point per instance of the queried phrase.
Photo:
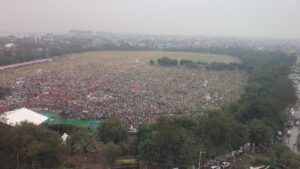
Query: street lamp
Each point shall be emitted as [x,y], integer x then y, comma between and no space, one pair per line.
[200,153]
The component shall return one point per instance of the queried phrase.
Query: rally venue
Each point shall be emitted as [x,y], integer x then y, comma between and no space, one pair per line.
[122,84]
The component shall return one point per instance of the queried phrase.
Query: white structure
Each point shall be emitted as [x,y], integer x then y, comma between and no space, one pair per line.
[9,45]
[132,130]
[20,115]
[65,137]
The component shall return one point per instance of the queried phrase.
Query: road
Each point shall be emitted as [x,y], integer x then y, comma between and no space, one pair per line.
[291,140]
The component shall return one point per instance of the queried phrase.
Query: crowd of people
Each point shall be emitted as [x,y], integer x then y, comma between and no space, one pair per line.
[135,92]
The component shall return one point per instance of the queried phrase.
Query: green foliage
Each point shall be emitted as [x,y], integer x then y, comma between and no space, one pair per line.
[130,146]
[221,133]
[260,133]
[152,62]
[165,61]
[223,66]
[185,62]
[187,123]
[268,93]
[166,142]
[30,146]
[111,152]
[83,141]
[283,157]
[113,130]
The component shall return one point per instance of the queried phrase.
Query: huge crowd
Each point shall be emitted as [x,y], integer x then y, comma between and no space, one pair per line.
[134,92]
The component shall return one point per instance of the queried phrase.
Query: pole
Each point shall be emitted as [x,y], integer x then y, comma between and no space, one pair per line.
[199,166]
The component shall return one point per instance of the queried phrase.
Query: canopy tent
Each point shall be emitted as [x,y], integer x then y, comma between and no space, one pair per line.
[50,116]
[90,124]
[20,115]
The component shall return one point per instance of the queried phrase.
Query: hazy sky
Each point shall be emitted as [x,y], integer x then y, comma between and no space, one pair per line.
[253,18]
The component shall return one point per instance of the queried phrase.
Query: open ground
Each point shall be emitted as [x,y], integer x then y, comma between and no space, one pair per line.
[123,84]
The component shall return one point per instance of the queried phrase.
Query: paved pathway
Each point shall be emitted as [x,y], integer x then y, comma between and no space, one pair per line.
[291,140]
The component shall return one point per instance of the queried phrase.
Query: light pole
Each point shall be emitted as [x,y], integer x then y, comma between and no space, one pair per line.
[200,153]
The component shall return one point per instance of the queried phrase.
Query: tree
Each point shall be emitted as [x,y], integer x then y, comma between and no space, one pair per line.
[152,62]
[111,151]
[167,143]
[113,130]
[83,141]
[240,135]
[165,61]
[260,133]
[6,154]
[219,132]
[187,123]
[30,146]
[222,133]
[185,62]
[283,157]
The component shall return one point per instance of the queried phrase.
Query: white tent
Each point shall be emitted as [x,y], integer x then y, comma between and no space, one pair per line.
[20,115]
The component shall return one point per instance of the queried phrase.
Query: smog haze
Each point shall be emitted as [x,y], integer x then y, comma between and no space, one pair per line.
[249,18]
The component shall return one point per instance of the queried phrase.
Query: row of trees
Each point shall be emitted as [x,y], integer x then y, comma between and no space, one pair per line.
[269,90]
[167,142]
[29,146]
[166,61]
[176,142]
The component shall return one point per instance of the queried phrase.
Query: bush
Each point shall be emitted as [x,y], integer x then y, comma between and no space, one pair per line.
[113,130]
[185,62]
[83,141]
[165,61]
[152,62]
[111,152]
